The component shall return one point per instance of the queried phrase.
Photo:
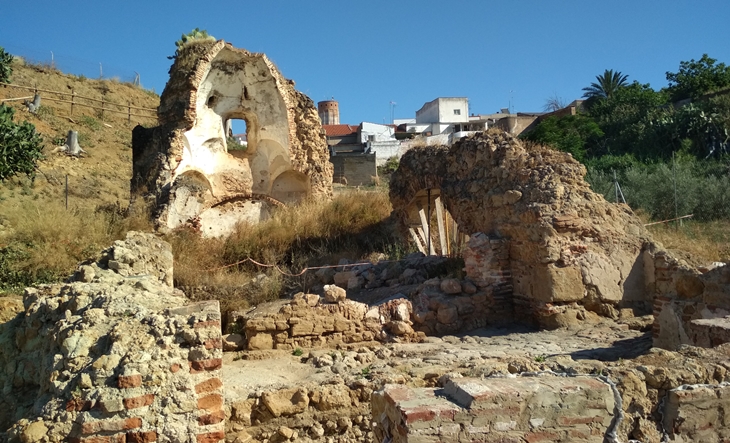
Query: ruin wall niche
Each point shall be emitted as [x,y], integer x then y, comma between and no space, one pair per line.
[184,166]
[117,354]
[570,251]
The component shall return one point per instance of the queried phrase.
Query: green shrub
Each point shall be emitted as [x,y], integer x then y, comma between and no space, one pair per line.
[20,146]
[702,187]
[6,66]
[389,166]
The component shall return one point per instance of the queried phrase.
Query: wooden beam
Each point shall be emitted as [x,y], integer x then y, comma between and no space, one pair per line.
[424,224]
[442,230]
[417,240]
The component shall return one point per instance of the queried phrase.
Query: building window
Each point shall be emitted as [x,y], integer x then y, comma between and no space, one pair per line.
[371,138]
[457,111]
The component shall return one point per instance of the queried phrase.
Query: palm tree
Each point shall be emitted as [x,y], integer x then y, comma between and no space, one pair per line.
[607,85]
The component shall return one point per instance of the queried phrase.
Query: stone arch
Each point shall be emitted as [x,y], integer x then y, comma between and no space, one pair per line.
[419,202]
[290,187]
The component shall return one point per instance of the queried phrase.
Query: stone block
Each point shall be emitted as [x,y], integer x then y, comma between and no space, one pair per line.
[689,286]
[285,402]
[334,294]
[450,286]
[555,284]
[233,342]
[261,341]
[341,278]
[447,315]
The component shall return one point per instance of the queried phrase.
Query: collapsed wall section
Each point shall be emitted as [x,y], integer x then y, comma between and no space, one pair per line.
[186,166]
[569,250]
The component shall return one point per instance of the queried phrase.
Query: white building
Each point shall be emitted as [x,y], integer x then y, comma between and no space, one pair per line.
[380,140]
[445,120]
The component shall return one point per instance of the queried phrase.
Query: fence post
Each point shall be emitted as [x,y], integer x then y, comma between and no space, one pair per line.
[102,107]
[73,96]
[129,112]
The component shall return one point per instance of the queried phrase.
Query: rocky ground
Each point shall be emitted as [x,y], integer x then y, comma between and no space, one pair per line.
[323,395]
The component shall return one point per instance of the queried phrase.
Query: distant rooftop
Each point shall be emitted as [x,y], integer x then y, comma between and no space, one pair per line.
[340,130]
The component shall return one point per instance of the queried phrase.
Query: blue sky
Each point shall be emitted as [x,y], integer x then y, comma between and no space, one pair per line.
[369,53]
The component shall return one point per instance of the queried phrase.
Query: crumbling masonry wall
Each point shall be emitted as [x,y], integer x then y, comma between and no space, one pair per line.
[570,251]
[691,307]
[185,167]
[115,355]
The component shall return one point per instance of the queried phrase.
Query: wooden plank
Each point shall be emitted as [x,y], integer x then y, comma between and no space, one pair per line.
[442,230]
[423,236]
[417,240]
[426,238]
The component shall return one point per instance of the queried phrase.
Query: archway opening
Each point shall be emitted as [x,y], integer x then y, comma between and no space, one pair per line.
[431,225]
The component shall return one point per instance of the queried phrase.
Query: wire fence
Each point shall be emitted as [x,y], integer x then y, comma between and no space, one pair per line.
[74,100]
[67,63]
[670,190]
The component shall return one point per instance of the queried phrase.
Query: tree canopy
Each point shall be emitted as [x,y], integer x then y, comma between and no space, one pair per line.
[695,78]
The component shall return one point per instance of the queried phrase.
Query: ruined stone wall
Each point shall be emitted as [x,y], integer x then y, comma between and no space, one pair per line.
[310,321]
[569,249]
[115,355]
[183,166]
[690,307]
[698,413]
[532,409]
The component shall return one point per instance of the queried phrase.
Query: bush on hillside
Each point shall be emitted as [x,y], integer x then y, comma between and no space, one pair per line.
[20,146]
[6,66]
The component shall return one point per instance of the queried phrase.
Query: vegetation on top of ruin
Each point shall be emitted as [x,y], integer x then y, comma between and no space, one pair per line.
[194,36]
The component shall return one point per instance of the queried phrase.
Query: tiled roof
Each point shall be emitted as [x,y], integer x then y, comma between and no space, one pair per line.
[339,130]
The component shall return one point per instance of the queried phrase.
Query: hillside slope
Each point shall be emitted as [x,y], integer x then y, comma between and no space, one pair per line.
[102,175]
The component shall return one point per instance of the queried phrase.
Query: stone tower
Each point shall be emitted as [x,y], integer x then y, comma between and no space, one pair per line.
[329,112]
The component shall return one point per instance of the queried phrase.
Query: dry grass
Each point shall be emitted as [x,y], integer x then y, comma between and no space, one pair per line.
[700,242]
[352,225]
[45,241]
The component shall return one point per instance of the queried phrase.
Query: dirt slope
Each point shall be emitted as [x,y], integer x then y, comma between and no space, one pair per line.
[102,175]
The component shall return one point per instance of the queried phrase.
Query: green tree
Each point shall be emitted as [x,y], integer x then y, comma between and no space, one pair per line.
[696,78]
[628,121]
[575,134]
[20,146]
[606,85]
[6,66]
